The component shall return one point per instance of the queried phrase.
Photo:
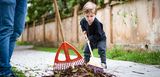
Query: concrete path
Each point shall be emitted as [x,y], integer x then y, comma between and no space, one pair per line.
[37,63]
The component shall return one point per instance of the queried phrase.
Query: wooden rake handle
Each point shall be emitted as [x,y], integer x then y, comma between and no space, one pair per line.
[88,43]
[59,19]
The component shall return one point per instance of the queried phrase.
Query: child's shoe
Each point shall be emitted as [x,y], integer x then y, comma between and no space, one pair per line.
[104,65]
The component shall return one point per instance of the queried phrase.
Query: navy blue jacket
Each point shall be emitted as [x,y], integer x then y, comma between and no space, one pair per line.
[95,31]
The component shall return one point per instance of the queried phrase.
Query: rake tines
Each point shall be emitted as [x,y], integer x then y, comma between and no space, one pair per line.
[63,66]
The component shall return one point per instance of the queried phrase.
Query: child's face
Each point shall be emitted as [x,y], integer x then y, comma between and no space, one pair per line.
[90,17]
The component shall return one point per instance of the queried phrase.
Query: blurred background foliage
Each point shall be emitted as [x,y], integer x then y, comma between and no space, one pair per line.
[40,8]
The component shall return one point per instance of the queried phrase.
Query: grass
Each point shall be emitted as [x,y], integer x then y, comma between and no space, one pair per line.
[22,43]
[17,72]
[118,53]
[49,49]
[138,56]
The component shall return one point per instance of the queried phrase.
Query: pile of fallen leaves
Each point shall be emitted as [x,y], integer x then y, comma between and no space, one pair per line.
[82,71]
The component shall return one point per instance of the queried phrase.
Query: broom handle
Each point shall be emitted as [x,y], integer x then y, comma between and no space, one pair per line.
[59,19]
[88,42]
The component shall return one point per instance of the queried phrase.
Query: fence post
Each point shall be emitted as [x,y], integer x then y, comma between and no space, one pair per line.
[27,32]
[34,31]
[44,29]
[111,25]
[22,38]
[76,13]
[75,23]
[57,25]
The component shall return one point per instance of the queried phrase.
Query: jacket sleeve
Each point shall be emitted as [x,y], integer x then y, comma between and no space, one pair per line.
[82,25]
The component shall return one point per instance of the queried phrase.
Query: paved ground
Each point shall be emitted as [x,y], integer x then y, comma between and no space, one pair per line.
[36,64]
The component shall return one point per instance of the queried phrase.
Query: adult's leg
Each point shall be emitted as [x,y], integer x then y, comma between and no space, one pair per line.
[19,23]
[7,8]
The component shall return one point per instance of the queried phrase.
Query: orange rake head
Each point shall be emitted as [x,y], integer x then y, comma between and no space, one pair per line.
[64,64]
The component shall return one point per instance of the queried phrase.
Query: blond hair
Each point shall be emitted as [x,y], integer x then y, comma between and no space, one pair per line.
[89,7]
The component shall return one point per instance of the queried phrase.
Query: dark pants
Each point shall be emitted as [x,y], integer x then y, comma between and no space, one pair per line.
[101,45]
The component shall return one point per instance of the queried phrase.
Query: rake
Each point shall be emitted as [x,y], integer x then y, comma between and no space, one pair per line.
[66,47]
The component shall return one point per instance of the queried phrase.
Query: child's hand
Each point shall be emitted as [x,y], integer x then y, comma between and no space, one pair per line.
[86,38]
[84,32]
